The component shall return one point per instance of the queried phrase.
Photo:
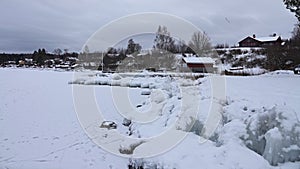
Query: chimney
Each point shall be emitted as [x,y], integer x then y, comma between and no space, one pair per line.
[274,34]
[254,36]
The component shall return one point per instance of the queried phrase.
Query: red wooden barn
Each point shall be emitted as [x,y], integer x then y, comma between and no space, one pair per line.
[199,64]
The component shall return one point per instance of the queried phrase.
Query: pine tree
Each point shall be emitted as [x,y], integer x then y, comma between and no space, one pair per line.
[293,6]
[133,47]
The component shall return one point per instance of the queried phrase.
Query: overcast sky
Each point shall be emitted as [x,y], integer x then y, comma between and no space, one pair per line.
[26,25]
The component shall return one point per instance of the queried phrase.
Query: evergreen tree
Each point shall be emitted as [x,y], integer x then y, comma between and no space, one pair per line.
[293,6]
[133,47]
[40,56]
[296,37]
[294,43]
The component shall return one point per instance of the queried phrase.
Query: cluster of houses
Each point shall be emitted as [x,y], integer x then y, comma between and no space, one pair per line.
[188,62]
[67,63]
[26,63]
[185,62]
[207,64]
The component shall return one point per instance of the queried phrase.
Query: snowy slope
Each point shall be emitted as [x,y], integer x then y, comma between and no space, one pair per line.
[39,127]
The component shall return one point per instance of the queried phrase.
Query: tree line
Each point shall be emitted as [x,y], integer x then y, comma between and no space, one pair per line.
[38,56]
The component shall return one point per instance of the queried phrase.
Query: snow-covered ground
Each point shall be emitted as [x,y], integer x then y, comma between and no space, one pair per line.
[40,126]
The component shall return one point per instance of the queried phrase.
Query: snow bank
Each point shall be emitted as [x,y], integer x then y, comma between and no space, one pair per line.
[246,71]
[282,73]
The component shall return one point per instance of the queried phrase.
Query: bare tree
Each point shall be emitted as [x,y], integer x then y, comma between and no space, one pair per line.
[200,43]
[66,51]
[296,34]
[276,58]
[57,51]
[163,40]
[86,50]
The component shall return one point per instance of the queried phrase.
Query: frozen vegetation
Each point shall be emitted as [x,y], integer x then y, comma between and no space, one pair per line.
[260,125]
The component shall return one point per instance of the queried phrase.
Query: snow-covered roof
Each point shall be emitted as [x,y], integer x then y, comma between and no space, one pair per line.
[113,55]
[180,55]
[72,58]
[199,60]
[28,60]
[263,39]
[130,56]
[267,39]
[143,54]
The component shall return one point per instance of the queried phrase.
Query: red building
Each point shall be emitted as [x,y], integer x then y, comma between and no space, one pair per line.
[199,64]
[260,42]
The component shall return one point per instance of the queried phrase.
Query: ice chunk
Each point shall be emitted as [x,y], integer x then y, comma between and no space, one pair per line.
[116,76]
[274,143]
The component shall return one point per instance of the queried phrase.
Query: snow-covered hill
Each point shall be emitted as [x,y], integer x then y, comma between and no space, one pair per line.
[39,125]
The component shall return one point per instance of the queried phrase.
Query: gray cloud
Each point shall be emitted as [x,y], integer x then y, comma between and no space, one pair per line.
[28,25]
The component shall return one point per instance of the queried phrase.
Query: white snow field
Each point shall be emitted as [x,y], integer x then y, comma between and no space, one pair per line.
[40,128]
